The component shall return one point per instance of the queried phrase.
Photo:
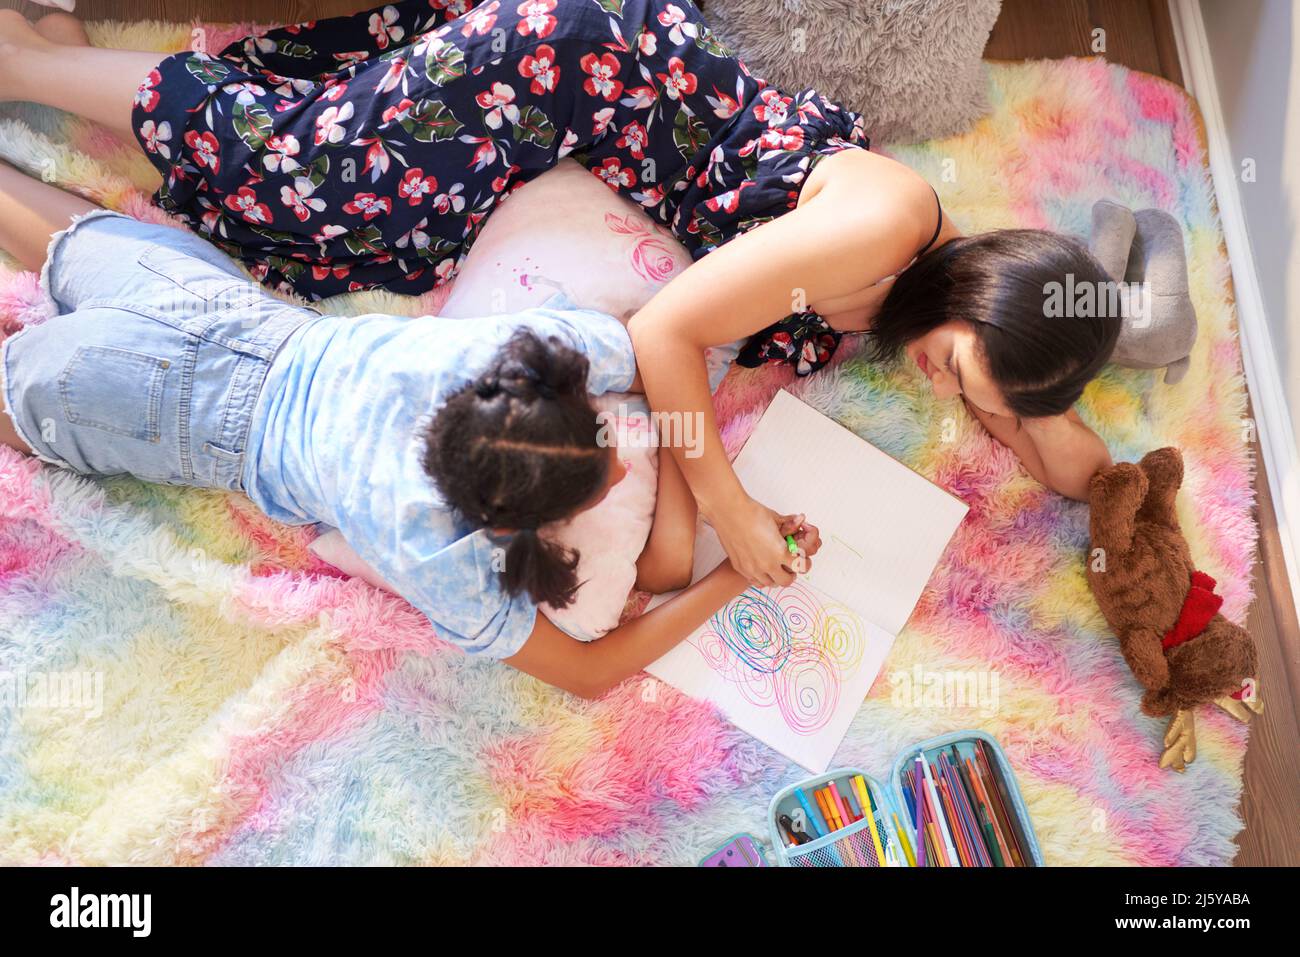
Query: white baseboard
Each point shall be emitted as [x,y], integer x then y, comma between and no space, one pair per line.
[1273,427]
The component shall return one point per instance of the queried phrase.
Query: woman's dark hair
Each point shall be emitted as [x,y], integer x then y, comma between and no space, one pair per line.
[1002,283]
[517,448]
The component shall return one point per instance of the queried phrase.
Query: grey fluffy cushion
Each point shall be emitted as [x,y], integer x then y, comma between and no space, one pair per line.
[912,68]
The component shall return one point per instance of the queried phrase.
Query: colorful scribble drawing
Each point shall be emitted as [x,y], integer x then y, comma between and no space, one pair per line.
[787,648]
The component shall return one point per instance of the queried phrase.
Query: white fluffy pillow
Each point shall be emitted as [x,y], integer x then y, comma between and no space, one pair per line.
[567,231]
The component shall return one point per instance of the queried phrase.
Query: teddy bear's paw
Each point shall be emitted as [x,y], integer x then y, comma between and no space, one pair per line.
[1180,741]
[1245,707]
[1164,467]
[1121,483]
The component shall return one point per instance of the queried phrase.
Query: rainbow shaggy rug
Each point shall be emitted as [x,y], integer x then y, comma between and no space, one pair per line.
[185,685]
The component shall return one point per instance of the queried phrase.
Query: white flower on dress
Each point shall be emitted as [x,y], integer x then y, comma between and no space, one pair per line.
[156,137]
[674,18]
[383,27]
[298,198]
[329,125]
[499,102]
[280,153]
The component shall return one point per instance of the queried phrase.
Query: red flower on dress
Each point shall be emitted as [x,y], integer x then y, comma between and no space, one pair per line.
[319,271]
[678,81]
[615,174]
[728,201]
[772,108]
[399,112]
[481,19]
[415,186]
[774,139]
[602,75]
[146,96]
[535,17]
[541,69]
[206,149]
[368,205]
[245,203]
[634,139]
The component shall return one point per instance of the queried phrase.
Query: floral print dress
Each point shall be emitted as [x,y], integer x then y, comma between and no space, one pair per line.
[367,151]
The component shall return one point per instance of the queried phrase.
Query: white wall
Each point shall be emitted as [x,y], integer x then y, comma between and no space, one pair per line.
[1255,48]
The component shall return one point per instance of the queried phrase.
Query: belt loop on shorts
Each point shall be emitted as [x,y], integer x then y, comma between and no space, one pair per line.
[273,332]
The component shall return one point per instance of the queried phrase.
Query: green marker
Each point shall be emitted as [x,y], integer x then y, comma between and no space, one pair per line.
[791,545]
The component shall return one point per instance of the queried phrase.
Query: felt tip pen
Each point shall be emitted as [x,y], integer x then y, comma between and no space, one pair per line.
[807,810]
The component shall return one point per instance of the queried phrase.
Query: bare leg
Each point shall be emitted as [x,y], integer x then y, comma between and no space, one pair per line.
[96,83]
[8,434]
[30,212]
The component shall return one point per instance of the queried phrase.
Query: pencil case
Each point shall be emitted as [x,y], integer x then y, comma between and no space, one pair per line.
[858,844]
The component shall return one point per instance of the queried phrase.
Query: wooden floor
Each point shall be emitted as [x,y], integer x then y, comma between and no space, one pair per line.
[1138,34]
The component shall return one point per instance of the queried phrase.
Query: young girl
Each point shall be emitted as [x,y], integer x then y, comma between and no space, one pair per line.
[368,150]
[438,447]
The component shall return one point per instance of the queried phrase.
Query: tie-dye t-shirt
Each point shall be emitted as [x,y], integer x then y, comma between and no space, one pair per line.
[337,438]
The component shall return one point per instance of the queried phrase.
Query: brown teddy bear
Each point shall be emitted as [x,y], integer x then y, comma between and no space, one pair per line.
[1164,611]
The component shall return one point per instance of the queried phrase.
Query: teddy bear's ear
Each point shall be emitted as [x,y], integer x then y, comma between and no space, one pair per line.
[1115,495]
[1163,467]
[1164,471]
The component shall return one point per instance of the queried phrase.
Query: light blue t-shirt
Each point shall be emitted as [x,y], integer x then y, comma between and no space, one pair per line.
[337,438]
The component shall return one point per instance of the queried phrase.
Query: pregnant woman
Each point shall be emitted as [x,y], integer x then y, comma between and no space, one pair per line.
[367,151]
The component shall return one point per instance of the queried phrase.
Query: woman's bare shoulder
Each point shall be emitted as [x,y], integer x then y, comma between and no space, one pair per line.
[868,191]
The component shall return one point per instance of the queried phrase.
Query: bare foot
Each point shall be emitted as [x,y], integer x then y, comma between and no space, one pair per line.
[17,37]
[62,28]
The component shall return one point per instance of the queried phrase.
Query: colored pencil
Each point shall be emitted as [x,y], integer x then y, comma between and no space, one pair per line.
[966,814]
[953,820]
[989,837]
[950,850]
[939,852]
[902,839]
[922,860]
[1000,810]
[968,805]
[986,810]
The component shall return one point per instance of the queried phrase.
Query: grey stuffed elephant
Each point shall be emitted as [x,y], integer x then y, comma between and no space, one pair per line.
[1144,252]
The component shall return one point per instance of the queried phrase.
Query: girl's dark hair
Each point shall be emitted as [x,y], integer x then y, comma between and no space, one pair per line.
[1001,283]
[517,448]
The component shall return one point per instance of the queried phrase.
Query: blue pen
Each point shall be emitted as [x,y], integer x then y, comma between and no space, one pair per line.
[813,818]
[909,799]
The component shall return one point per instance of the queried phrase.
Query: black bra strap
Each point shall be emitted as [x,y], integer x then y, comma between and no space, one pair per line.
[938,227]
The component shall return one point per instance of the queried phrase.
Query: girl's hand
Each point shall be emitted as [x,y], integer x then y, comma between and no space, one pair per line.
[751,534]
[806,538]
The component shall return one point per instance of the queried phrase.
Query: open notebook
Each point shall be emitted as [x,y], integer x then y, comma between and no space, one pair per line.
[791,665]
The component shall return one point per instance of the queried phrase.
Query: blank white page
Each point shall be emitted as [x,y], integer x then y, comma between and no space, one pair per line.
[883,526]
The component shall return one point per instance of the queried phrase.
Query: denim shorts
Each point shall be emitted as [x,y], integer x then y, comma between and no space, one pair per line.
[155,359]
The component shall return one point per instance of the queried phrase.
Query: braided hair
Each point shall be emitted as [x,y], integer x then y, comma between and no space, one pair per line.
[517,448]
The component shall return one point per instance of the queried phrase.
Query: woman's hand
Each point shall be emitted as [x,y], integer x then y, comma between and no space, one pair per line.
[754,538]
